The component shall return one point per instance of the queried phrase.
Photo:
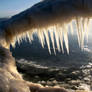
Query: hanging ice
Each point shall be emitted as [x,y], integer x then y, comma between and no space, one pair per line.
[53,16]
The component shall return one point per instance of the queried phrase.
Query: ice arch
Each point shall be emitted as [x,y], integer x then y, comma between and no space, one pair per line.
[48,15]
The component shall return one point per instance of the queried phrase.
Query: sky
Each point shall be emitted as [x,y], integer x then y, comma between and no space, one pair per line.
[11,7]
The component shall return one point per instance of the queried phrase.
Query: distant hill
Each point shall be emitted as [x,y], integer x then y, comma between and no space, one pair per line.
[3,19]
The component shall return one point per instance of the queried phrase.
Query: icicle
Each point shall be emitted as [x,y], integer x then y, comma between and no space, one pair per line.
[78,31]
[57,37]
[82,27]
[61,38]
[25,37]
[71,28]
[66,38]
[30,36]
[86,28]
[41,37]
[81,23]
[52,39]
[19,39]
[47,40]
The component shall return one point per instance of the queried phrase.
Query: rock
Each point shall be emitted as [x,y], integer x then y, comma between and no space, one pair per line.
[54,82]
[74,82]
[68,79]
[37,77]
[51,79]
[86,79]
[49,83]
[43,83]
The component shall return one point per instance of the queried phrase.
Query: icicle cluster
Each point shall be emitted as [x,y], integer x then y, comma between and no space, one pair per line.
[82,30]
[60,33]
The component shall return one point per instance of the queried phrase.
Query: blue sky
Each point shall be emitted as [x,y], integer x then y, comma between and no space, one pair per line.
[11,7]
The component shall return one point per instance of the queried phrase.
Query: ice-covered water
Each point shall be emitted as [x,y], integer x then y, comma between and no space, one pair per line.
[73,71]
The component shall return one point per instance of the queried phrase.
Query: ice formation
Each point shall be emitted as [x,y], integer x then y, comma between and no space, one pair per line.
[50,16]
